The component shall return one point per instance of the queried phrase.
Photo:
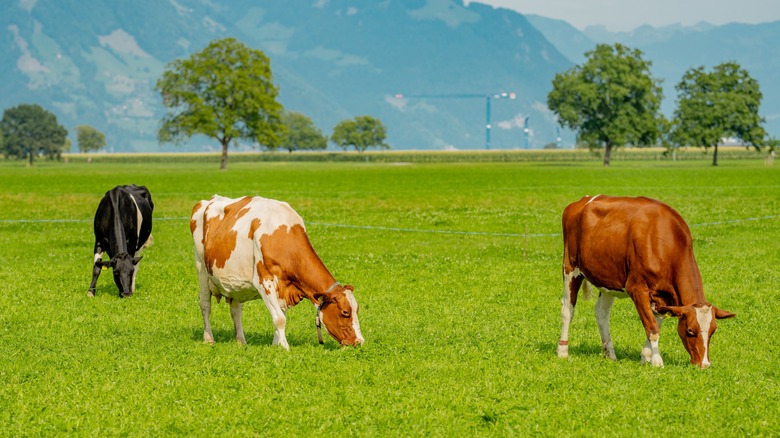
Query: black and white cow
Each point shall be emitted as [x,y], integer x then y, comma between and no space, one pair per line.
[123,228]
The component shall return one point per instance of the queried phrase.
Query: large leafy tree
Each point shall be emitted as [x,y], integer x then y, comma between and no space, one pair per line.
[302,134]
[361,133]
[224,92]
[611,100]
[89,138]
[29,131]
[717,104]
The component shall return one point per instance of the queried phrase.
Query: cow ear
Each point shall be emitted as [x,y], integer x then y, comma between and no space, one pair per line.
[722,314]
[137,259]
[675,311]
[349,287]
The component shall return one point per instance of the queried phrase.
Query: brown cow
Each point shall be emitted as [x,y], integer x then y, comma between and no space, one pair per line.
[639,248]
[252,248]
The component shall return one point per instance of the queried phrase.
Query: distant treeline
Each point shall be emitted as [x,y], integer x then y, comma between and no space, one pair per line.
[559,155]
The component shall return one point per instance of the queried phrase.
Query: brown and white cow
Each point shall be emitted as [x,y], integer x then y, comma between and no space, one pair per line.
[255,248]
[638,248]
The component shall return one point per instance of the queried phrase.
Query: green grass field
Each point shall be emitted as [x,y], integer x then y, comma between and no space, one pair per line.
[457,271]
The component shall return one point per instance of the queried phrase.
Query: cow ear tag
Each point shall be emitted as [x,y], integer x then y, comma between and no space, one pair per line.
[103,268]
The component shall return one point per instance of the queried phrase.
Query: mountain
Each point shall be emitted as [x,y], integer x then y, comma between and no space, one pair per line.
[570,41]
[675,49]
[431,70]
[97,62]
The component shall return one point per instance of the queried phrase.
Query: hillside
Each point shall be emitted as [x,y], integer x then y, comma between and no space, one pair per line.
[96,63]
[675,49]
[332,60]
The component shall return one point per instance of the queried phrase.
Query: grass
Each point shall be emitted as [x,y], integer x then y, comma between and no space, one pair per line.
[457,271]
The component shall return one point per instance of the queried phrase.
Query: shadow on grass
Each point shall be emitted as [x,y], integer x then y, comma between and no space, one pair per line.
[222,336]
[107,289]
[622,353]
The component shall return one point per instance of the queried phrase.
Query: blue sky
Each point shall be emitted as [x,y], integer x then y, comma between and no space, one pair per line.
[624,15]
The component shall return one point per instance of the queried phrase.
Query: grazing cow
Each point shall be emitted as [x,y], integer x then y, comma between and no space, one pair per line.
[250,248]
[639,248]
[123,228]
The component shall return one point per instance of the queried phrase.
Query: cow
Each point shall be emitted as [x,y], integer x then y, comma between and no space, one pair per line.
[123,228]
[256,248]
[639,248]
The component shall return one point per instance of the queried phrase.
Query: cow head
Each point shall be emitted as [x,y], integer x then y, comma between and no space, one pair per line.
[695,326]
[124,267]
[338,312]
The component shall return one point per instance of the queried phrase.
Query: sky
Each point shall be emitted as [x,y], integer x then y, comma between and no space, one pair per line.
[625,15]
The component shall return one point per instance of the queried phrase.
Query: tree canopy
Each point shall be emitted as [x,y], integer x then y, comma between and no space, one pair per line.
[611,100]
[29,131]
[89,138]
[224,92]
[715,105]
[362,132]
[302,134]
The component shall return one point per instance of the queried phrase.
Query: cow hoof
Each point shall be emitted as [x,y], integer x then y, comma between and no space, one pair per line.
[563,351]
[91,293]
[126,295]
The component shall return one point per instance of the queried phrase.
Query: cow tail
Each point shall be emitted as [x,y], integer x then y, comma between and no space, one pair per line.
[587,292]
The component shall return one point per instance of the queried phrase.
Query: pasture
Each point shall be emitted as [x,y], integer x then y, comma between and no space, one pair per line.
[457,269]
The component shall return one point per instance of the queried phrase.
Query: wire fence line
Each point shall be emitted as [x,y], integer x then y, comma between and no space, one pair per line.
[393,229]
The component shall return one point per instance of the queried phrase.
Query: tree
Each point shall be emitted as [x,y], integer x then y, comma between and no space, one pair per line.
[362,132]
[89,139]
[29,130]
[302,134]
[712,106]
[611,100]
[224,92]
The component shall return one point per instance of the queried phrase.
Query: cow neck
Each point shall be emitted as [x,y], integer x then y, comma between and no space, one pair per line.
[118,239]
[690,289]
[314,286]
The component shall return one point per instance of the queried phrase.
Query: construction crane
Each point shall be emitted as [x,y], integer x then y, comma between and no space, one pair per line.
[487,97]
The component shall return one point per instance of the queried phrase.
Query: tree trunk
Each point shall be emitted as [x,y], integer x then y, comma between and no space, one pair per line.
[607,154]
[223,161]
[715,156]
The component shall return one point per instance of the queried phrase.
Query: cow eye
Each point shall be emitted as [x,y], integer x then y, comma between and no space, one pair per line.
[691,333]
[344,314]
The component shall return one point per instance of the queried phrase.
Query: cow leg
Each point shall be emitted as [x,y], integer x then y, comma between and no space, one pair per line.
[235,313]
[650,321]
[135,272]
[204,297]
[650,351]
[603,308]
[95,270]
[571,287]
[268,290]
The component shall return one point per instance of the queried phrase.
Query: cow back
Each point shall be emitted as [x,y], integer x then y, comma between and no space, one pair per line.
[611,239]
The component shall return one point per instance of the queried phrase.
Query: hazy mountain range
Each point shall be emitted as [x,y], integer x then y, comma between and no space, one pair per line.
[96,63]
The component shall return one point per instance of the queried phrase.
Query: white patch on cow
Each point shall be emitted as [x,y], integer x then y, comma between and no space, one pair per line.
[139,216]
[592,199]
[98,256]
[355,323]
[704,318]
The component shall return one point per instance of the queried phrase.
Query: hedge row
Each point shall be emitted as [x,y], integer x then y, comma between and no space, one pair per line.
[644,154]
